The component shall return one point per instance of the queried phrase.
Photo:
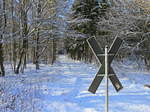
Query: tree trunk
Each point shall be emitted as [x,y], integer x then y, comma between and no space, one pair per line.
[37,37]
[37,52]
[53,51]
[25,38]
[13,47]
[1,59]
[2,26]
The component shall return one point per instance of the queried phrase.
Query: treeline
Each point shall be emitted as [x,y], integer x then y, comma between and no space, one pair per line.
[129,20]
[29,32]
[32,31]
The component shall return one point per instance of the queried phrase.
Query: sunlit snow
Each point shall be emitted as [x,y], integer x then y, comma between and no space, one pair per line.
[63,87]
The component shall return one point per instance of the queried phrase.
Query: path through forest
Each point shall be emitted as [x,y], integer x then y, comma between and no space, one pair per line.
[63,87]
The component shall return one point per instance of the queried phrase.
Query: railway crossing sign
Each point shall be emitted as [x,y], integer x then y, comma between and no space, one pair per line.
[101,57]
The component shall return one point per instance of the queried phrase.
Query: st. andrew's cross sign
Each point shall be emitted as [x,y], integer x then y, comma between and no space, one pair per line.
[101,58]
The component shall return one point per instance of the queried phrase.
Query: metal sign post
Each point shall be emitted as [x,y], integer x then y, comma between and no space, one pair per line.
[105,59]
[106,79]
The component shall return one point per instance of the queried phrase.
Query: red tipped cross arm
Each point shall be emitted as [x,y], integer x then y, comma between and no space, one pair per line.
[101,58]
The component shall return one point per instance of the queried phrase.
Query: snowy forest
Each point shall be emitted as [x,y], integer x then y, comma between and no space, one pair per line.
[46,64]
[35,31]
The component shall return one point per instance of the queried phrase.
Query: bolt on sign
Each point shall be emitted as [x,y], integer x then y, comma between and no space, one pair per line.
[101,58]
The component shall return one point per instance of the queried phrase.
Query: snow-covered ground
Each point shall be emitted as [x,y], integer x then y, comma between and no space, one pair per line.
[63,88]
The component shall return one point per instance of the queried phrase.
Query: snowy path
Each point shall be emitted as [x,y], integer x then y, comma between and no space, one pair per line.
[63,88]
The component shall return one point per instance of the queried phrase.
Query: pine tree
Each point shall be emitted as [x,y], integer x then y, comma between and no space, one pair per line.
[86,14]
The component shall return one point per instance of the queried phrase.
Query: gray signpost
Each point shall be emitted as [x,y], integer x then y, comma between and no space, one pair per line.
[105,59]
